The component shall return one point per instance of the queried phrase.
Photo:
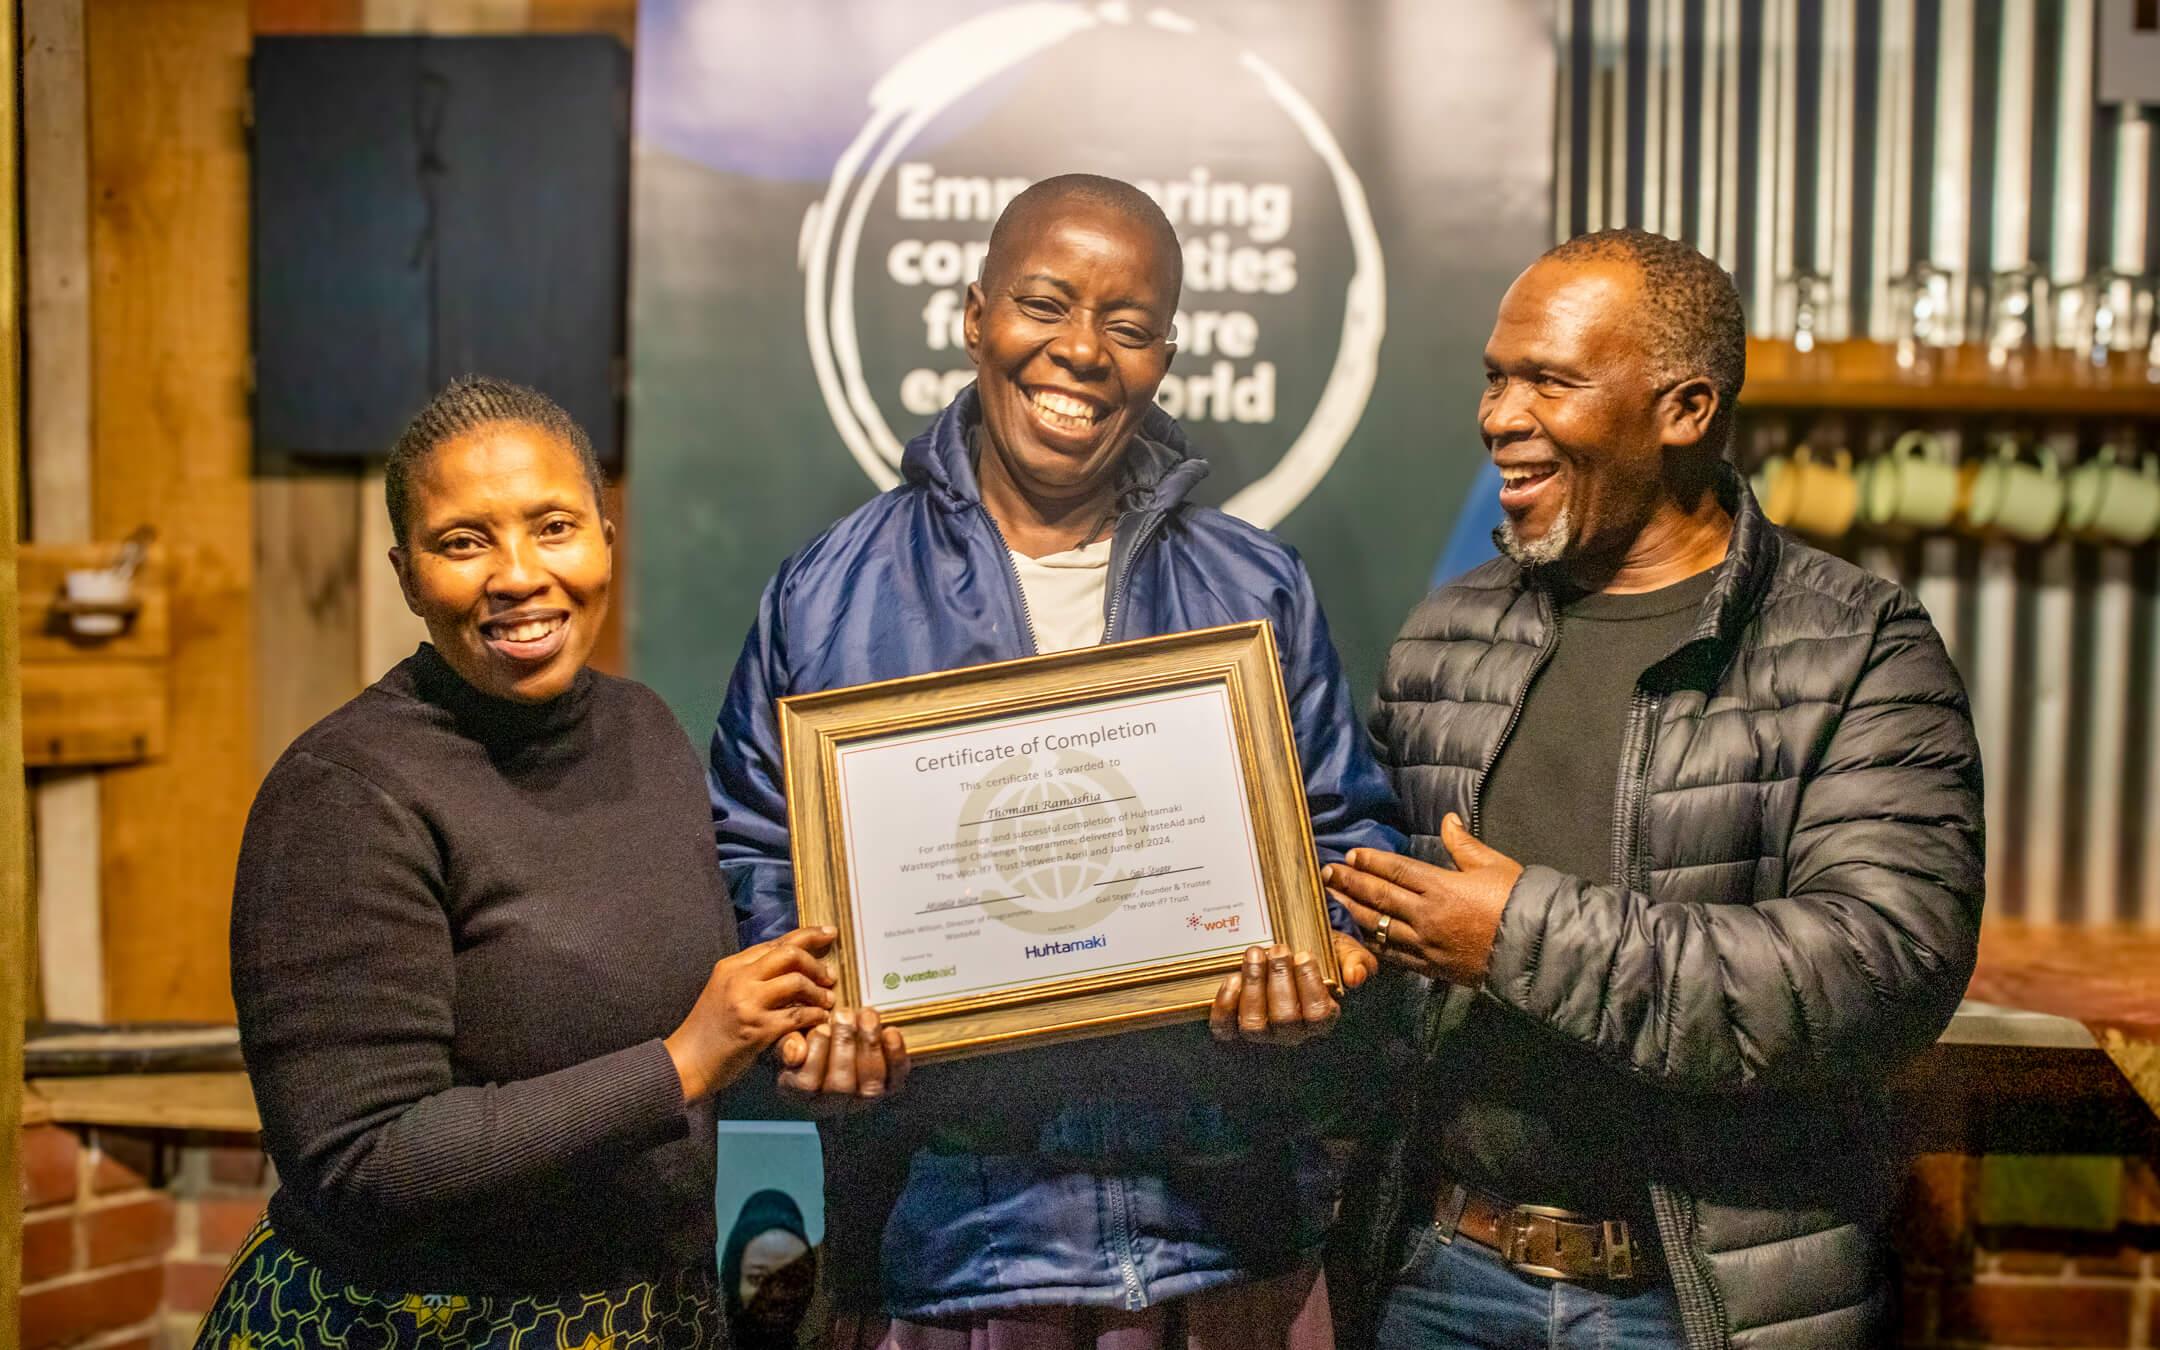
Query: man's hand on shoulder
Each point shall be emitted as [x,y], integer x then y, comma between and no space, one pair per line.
[1433,921]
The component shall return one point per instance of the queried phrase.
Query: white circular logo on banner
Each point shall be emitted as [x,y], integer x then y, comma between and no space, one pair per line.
[963,60]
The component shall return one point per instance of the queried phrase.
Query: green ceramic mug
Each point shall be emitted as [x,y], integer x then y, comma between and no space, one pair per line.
[2114,496]
[2006,495]
[1914,486]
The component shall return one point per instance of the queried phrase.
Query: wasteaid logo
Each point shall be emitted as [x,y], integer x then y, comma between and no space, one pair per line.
[1284,301]
[894,979]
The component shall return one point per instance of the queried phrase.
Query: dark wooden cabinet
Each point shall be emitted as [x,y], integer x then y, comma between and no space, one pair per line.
[429,207]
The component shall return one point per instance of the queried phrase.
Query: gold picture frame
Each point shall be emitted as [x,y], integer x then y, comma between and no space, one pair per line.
[817,728]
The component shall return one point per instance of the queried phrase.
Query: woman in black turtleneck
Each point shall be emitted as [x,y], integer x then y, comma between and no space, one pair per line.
[483,957]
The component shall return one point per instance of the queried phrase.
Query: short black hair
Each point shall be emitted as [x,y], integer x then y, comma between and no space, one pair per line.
[1691,320]
[467,404]
[1110,193]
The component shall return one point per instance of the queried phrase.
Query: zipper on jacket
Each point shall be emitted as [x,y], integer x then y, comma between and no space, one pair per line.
[1121,1239]
[1703,1319]
[1124,577]
[1522,696]
[1118,1203]
[1628,800]
[1012,574]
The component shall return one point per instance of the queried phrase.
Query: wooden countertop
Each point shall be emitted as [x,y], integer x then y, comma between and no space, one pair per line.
[2105,977]
[2055,1004]
[217,1102]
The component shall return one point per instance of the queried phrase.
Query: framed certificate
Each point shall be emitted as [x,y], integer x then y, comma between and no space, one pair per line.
[1062,846]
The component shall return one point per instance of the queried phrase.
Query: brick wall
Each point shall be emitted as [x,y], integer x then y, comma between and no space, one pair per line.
[126,1232]
[1969,1284]
[126,1235]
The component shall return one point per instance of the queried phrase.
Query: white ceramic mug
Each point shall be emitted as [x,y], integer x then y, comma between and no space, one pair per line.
[98,586]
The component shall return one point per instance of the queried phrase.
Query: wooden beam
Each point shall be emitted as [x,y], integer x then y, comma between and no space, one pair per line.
[306,16]
[388,630]
[307,601]
[616,17]
[610,652]
[446,16]
[56,253]
[70,919]
[169,326]
[14,831]
[219,1102]
[56,241]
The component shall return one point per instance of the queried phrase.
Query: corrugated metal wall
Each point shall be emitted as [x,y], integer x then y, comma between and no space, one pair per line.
[1840,157]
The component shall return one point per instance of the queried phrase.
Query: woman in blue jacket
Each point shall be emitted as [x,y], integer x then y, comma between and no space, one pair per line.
[1063,1192]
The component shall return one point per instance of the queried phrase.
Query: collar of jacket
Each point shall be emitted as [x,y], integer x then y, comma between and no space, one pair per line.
[1751,561]
[1160,471]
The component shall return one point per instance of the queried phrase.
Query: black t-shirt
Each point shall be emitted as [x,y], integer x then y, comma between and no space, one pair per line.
[1522,1113]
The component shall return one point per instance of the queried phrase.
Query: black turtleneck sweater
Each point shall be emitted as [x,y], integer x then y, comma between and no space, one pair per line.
[460,928]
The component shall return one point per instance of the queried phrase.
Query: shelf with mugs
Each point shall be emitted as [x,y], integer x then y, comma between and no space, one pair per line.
[2010,489]
[1880,376]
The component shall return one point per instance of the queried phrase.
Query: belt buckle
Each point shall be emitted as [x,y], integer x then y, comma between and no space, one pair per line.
[1619,1250]
[1601,1250]
[1523,1224]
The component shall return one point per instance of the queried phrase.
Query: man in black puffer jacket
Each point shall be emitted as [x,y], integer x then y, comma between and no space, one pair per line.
[1696,818]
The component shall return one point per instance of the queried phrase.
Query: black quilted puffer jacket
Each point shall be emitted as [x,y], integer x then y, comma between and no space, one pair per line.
[1798,820]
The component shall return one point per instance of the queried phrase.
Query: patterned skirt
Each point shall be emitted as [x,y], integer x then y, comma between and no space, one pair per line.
[276,1299]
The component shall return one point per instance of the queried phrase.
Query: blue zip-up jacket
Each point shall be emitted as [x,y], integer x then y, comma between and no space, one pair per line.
[1067,1175]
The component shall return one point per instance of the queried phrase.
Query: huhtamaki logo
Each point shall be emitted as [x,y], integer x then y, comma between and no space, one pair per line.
[1054,948]
[1195,922]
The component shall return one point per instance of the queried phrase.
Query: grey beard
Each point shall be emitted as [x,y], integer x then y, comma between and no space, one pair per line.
[1548,548]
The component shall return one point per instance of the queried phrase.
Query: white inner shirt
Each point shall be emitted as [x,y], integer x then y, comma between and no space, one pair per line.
[1065,593]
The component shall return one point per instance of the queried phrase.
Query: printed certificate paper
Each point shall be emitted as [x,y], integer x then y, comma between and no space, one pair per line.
[1064,846]
[1022,850]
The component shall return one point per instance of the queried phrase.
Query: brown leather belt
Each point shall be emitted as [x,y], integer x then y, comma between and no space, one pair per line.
[1557,1244]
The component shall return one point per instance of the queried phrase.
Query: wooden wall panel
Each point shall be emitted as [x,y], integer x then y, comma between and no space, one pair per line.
[14,828]
[168,242]
[618,17]
[610,651]
[388,630]
[56,200]
[56,258]
[447,16]
[306,16]
[307,602]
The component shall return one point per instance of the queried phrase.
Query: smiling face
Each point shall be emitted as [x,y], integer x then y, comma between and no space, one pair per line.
[1573,415]
[507,559]
[1070,334]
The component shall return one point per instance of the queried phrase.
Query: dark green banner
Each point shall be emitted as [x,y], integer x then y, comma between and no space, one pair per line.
[1354,183]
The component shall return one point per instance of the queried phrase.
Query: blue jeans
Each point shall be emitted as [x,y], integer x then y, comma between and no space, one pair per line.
[1460,1294]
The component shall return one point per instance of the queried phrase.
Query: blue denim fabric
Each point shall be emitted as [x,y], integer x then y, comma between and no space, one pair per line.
[1460,1294]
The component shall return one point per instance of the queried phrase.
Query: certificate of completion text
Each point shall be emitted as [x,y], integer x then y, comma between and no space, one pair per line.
[1049,846]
